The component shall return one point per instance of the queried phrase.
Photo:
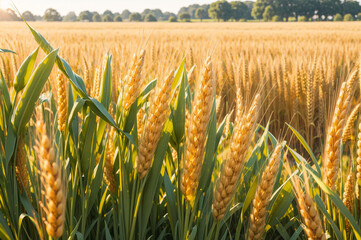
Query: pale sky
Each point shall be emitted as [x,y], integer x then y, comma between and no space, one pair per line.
[64,6]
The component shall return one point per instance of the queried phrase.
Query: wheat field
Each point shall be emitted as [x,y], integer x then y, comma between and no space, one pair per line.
[180,130]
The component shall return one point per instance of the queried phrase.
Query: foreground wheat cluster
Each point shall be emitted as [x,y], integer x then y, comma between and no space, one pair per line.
[174,138]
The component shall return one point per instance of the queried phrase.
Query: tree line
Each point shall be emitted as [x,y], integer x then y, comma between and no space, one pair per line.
[267,10]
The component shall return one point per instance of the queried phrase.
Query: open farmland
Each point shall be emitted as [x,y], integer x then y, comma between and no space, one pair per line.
[206,151]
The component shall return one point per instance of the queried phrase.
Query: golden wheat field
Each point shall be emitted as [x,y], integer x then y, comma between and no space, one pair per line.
[180,130]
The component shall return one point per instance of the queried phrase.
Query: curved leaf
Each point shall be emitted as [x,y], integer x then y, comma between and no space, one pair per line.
[33,88]
[23,75]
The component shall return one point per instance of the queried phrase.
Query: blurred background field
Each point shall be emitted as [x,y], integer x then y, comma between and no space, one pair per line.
[297,65]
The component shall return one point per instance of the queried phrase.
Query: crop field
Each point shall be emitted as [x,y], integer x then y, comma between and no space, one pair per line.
[180,130]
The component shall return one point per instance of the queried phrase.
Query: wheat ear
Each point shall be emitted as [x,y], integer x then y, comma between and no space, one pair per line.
[197,131]
[62,102]
[334,137]
[158,114]
[232,167]
[132,80]
[263,195]
[53,185]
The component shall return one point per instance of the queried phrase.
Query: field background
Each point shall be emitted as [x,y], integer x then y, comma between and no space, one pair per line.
[279,58]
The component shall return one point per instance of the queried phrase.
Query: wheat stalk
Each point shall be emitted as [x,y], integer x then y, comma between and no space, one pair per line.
[21,171]
[108,165]
[348,195]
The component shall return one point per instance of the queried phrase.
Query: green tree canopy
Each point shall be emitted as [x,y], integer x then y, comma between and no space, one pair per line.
[107,18]
[125,14]
[239,10]
[85,16]
[351,7]
[172,19]
[268,13]
[28,16]
[306,8]
[108,12]
[220,10]
[328,8]
[51,15]
[348,17]
[186,17]
[338,18]
[150,18]
[96,17]
[118,18]
[70,17]
[167,15]
[258,9]
[201,13]
[135,17]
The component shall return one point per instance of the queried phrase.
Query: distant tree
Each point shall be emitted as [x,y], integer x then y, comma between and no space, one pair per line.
[70,17]
[150,18]
[28,16]
[220,10]
[352,7]
[8,15]
[305,8]
[167,15]
[172,19]
[145,12]
[276,18]
[108,12]
[118,18]
[51,15]
[283,8]
[268,14]
[258,9]
[107,18]
[348,17]
[201,13]
[85,16]
[328,8]
[239,10]
[359,16]
[135,17]
[13,16]
[125,14]
[185,17]
[249,5]
[157,13]
[337,18]
[96,17]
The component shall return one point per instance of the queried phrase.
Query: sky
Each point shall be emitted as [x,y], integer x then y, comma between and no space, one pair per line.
[64,6]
